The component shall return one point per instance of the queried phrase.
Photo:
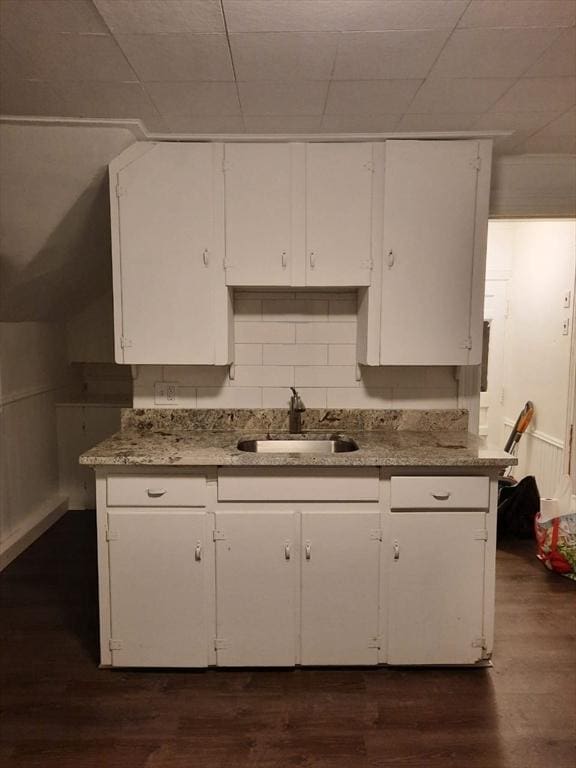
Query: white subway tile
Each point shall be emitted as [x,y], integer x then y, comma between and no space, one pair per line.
[266,293]
[280,397]
[326,376]
[264,333]
[263,376]
[429,397]
[409,376]
[247,309]
[359,397]
[186,398]
[248,354]
[197,375]
[342,354]
[313,397]
[295,354]
[326,333]
[229,397]
[294,310]
[343,310]
[143,396]
[147,374]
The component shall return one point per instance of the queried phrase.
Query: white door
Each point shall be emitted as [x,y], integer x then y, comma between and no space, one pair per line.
[256,589]
[436,579]
[340,567]
[258,214]
[167,260]
[491,401]
[158,588]
[339,213]
[429,220]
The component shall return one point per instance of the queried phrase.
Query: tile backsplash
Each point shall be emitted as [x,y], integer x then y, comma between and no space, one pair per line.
[299,338]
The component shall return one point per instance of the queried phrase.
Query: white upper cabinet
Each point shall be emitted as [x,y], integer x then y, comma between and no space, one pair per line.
[435,220]
[258,214]
[339,213]
[299,214]
[170,301]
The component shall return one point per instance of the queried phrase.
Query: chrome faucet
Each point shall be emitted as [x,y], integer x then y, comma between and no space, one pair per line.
[295,412]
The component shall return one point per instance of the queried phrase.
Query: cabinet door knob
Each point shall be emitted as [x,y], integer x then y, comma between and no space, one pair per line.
[391,259]
[441,495]
[308,550]
[287,551]
[205,257]
[284,260]
[312,260]
[155,493]
[198,552]
[396,550]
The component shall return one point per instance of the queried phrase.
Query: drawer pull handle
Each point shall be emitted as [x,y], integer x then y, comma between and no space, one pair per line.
[198,552]
[155,493]
[284,260]
[441,495]
[396,550]
[287,552]
[312,260]
[308,550]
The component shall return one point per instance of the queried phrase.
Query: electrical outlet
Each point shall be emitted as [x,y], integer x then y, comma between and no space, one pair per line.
[566,327]
[567,299]
[165,393]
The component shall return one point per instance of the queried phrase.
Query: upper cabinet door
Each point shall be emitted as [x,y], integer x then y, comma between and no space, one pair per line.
[257,180]
[429,252]
[339,188]
[165,263]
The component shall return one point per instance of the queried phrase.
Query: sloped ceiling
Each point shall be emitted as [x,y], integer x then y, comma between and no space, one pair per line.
[265,66]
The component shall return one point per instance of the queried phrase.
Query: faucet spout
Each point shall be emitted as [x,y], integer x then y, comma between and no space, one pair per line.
[295,412]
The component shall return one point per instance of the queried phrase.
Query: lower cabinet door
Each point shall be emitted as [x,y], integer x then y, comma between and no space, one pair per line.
[340,577]
[158,588]
[256,589]
[436,587]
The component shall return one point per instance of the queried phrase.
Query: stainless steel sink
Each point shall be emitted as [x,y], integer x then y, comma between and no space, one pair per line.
[332,445]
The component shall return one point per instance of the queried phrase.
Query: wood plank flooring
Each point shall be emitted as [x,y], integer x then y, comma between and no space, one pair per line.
[59,710]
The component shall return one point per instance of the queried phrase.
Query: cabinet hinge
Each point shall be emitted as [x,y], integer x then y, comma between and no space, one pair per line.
[111,535]
[225,165]
[367,264]
[115,645]
[481,535]
[218,536]
[375,642]
[467,343]
[125,342]
[120,190]
[369,166]
[220,644]
[476,163]
[479,642]
[376,534]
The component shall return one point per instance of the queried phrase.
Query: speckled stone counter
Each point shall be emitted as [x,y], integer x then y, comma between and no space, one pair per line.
[386,438]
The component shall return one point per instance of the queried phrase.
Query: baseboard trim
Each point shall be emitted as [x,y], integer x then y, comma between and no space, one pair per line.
[32,529]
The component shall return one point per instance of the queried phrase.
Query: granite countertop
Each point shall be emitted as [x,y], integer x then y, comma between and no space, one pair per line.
[209,438]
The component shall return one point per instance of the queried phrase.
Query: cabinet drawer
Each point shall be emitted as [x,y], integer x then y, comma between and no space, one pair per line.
[156,491]
[326,484]
[439,492]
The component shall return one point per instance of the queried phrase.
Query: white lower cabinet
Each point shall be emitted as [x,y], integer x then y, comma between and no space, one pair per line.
[256,589]
[436,582]
[340,574]
[158,588]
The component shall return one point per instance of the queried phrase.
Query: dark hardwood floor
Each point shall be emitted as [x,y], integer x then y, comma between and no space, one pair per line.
[60,710]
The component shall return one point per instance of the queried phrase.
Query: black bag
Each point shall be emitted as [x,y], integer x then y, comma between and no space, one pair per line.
[517,507]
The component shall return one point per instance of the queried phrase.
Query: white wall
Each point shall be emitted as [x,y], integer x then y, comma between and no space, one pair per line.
[32,370]
[537,354]
[301,338]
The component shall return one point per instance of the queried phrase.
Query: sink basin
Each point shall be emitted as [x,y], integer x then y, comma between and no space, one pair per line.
[335,445]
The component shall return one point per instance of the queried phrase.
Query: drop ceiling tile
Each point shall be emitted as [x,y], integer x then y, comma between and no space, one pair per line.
[387,55]
[113,100]
[559,60]
[162,17]
[540,94]
[282,123]
[194,99]
[29,97]
[172,58]
[346,97]
[513,121]
[338,15]
[77,57]
[17,16]
[284,56]
[15,65]
[453,95]
[302,98]
[563,125]
[212,124]
[360,123]
[437,122]
[492,52]
[519,13]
